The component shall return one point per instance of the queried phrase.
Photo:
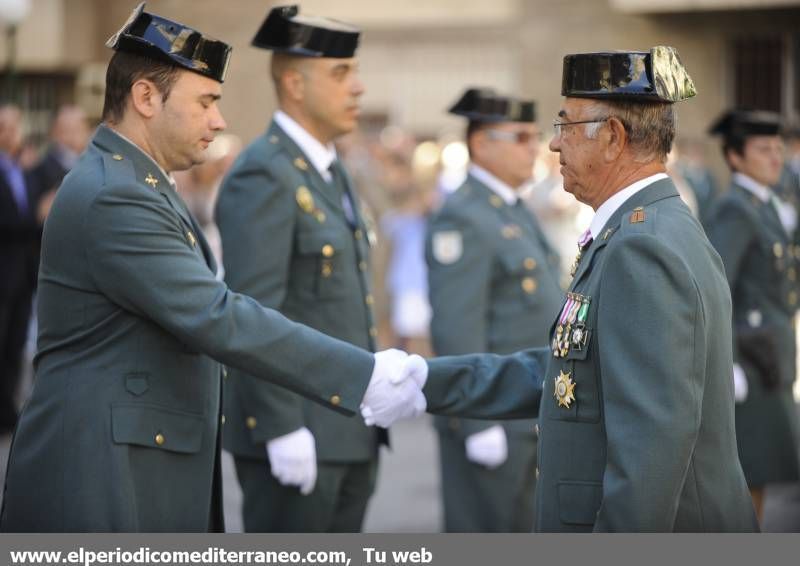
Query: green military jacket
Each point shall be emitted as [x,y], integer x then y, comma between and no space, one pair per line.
[493,281]
[636,415]
[121,432]
[288,244]
[761,263]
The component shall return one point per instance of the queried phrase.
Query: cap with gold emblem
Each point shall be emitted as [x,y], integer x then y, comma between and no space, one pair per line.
[656,75]
[153,36]
[486,105]
[286,31]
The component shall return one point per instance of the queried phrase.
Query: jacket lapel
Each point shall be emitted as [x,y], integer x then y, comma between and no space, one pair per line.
[301,162]
[657,191]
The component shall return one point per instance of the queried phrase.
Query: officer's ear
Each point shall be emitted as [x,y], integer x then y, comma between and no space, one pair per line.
[293,84]
[146,99]
[615,139]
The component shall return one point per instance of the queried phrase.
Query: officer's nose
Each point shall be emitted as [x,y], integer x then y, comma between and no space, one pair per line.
[217,122]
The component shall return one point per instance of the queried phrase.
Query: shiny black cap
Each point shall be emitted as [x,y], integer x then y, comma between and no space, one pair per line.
[286,31]
[657,76]
[745,123]
[486,105]
[153,36]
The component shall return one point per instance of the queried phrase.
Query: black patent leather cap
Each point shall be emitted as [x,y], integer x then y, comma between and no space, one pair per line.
[286,31]
[153,36]
[486,105]
[745,123]
[656,75]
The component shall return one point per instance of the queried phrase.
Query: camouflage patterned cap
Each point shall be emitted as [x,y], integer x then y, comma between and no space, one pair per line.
[657,75]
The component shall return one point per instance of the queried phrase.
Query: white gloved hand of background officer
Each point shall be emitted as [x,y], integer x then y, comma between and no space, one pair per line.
[488,447]
[293,459]
[395,388]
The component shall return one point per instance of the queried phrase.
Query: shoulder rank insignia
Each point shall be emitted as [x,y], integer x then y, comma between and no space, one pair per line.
[564,389]
[637,216]
[301,164]
[150,180]
[496,201]
[607,233]
[192,239]
[304,199]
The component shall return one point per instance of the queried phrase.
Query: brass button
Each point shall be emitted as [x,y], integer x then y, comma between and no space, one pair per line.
[222,419]
[373,332]
[529,263]
[358,234]
[496,201]
[369,300]
[335,400]
[160,439]
[251,423]
[116,157]
[327,250]
[320,216]
[362,265]
[792,298]
[327,270]
[777,249]
[791,274]
[529,285]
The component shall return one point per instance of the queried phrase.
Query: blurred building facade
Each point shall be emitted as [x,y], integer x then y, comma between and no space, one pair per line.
[416,56]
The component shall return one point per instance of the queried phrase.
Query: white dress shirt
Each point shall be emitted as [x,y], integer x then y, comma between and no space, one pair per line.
[509,195]
[321,156]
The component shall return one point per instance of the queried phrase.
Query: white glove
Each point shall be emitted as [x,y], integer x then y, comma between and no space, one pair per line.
[740,387]
[488,447]
[395,388]
[293,459]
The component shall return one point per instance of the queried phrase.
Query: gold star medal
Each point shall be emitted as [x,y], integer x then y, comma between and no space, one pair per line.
[304,199]
[564,389]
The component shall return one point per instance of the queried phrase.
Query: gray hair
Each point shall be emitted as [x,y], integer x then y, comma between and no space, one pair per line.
[650,126]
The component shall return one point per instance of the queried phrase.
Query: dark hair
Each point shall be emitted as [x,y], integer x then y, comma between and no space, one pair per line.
[473,127]
[124,69]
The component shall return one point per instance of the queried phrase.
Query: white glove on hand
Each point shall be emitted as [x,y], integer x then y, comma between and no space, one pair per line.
[740,387]
[395,388]
[293,459]
[488,447]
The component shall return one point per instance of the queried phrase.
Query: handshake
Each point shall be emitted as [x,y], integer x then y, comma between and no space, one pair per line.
[395,388]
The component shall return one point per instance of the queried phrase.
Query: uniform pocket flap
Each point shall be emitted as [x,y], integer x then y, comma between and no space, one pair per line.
[514,262]
[323,242]
[157,427]
[579,501]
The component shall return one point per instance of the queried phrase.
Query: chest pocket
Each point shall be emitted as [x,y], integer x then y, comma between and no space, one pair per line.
[322,256]
[520,275]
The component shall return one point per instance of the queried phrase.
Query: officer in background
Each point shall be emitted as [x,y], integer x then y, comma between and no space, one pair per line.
[294,238]
[761,262]
[121,432]
[493,282]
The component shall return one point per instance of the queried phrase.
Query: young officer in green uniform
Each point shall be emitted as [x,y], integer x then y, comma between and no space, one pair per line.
[634,397]
[295,240]
[121,432]
[493,282]
[761,263]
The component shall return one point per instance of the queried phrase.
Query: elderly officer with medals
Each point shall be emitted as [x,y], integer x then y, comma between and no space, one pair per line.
[295,239]
[121,432]
[635,397]
[761,262]
[493,281]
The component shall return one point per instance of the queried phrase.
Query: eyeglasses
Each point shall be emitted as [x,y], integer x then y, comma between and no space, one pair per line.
[515,137]
[558,125]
